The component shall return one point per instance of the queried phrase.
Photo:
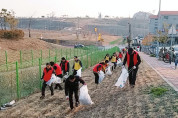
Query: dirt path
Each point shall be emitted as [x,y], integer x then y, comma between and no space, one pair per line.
[110,102]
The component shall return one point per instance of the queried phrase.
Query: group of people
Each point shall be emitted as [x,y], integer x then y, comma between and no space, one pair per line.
[72,81]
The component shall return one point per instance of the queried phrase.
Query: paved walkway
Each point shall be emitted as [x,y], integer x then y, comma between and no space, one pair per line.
[165,70]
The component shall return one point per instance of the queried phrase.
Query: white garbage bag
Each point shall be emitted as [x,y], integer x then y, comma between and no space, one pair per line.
[122,79]
[53,78]
[101,76]
[58,80]
[119,61]
[84,97]
[79,72]
[110,64]
[108,71]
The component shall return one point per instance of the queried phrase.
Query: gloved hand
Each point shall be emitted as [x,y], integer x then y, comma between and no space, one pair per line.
[123,66]
[41,78]
[67,73]
[67,97]
[134,67]
[98,72]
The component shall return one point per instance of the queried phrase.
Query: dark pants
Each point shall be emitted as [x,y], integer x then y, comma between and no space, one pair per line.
[114,67]
[75,91]
[43,89]
[132,76]
[96,78]
[75,72]
[58,85]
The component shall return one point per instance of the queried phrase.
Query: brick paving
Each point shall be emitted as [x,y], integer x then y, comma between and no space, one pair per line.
[165,70]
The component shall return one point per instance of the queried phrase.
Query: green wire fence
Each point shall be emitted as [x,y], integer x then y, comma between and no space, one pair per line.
[23,77]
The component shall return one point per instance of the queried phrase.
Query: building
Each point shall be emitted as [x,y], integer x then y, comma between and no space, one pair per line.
[167,19]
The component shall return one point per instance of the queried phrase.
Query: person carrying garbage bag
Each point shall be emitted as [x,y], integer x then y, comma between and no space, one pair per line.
[97,68]
[58,73]
[65,67]
[77,65]
[133,60]
[47,74]
[106,57]
[72,86]
[114,61]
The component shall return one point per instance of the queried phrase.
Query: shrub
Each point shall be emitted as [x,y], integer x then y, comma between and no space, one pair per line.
[11,34]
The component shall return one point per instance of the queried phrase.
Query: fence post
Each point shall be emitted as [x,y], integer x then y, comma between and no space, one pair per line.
[32,56]
[55,59]
[41,56]
[56,54]
[61,53]
[70,54]
[66,53]
[49,55]
[20,58]
[40,72]
[17,80]
[87,58]
[6,60]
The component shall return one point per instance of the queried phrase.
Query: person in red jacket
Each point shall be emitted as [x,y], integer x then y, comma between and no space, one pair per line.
[47,74]
[133,60]
[96,70]
[64,66]
[58,73]
[120,56]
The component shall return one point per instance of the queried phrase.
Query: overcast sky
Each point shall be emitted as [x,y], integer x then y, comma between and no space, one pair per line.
[73,8]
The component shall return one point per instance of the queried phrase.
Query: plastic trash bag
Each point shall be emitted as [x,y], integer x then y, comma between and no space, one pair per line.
[119,61]
[58,80]
[84,97]
[122,79]
[101,76]
[79,72]
[52,80]
[108,71]
[110,64]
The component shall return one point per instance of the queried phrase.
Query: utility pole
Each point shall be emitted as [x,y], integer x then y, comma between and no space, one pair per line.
[159,29]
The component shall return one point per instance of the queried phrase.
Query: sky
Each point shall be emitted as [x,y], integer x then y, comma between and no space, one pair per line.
[81,8]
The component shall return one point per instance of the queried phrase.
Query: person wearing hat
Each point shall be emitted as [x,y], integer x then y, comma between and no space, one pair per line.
[65,66]
[77,65]
[133,60]
[72,86]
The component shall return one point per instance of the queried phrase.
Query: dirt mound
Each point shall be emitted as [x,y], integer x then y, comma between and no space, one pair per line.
[110,102]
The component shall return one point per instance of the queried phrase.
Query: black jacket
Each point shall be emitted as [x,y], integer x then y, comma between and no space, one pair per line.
[72,85]
[131,64]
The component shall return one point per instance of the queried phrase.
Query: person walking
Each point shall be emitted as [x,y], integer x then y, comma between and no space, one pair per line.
[65,67]
[120,56]
[58,73]
[114,61]
[47,74]
[133,60]
[72,86]
[106,57]
[77,65]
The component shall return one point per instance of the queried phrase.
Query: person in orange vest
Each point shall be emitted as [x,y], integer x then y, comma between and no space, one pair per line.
[47,74]
[96,70]
[114,61]
[58,73]
[64,66]
[120,56]
[133,60]
[105,65]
